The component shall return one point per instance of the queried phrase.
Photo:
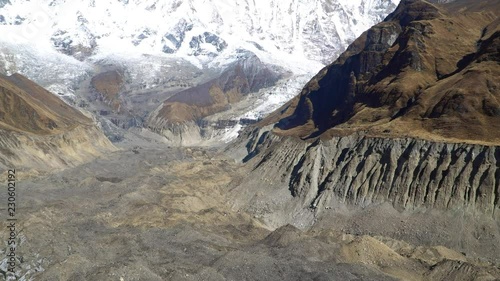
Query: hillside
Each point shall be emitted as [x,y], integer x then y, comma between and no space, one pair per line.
[27,107]
[39,130]
[428,71]
[244,77]
[398,137]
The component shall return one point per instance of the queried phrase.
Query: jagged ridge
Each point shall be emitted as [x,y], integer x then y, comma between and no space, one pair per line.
[409,173]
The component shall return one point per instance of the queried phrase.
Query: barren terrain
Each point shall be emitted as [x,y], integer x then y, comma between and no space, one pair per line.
[385,167]
[159,213]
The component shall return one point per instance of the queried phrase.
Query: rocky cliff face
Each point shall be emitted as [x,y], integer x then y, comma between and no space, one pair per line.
[39,130]
[412,190]
[418,191]
[358,170]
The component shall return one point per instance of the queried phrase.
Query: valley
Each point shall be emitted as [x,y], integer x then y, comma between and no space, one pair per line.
[216,147]
[149,213]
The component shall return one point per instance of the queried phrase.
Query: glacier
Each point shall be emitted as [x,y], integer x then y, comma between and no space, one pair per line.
[60,43]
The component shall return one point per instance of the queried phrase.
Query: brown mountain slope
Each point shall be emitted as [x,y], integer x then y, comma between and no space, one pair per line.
[27,107]
[428,71]
[216,95]
[108,85]
[38,130]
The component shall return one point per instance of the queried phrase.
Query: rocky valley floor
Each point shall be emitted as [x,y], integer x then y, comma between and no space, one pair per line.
[384,166]
[160,213]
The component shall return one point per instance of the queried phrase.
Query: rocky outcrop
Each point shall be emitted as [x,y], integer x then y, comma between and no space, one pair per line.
[196,44]
[63,41]
[173,41]
[144,34]
[4,2]
[409,173]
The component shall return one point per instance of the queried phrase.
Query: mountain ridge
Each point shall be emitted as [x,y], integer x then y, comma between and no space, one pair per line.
[28,107]
[39,130]
[380,88]
[200,27]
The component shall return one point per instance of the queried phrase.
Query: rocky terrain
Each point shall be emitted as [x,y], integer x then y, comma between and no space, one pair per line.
[183,113]
[145,213]
[386,166]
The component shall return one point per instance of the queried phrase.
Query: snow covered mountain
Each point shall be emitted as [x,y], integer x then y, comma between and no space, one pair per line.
[62,43]
[314,30]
